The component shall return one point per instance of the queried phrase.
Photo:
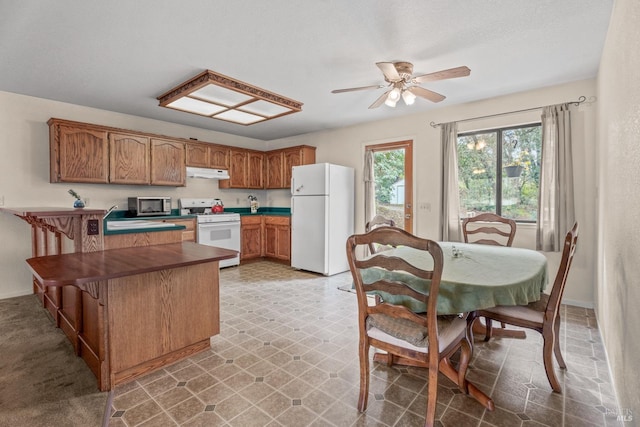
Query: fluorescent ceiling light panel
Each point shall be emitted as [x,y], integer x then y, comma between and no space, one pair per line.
[195,106]
[241,117]
[265,108]
[220,97]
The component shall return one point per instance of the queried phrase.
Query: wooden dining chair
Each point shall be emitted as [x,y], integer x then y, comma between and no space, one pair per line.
[424,339]
[499,231]
[378,221]
[543,315]
[493,229]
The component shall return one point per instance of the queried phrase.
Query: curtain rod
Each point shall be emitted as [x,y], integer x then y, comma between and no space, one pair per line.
[580,100]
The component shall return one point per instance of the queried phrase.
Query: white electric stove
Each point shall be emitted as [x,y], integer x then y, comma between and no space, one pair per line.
[221,230]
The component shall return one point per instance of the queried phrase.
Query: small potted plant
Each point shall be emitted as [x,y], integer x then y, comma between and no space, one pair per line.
[78,203]
[513,170]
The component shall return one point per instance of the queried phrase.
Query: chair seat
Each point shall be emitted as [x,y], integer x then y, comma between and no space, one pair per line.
[407,334]
[516,312]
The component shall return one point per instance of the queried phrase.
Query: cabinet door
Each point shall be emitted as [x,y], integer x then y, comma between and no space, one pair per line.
[197,155]
[283,250]
[270,240]
[296,156]
[218,156]
[251,237]
[167,163]
[237,170]
[255,170]
[78,154]
[273,170]
[129,159]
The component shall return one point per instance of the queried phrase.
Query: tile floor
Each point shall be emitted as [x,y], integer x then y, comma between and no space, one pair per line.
[287,356]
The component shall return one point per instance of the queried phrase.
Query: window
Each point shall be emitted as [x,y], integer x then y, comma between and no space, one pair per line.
[499,171]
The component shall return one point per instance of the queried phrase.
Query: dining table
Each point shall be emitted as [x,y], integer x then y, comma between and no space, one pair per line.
[474,277]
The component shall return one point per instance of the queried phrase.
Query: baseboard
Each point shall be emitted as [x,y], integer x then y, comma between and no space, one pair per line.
[16,294]
[583,304]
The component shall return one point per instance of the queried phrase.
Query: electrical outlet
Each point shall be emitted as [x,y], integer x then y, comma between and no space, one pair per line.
[93,227]
[425,206]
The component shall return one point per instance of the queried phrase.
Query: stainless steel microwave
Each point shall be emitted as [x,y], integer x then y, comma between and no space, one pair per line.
[149,206]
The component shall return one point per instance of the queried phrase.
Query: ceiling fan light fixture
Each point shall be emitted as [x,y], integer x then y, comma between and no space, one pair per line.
[408,97]
[217,96]
[393,97]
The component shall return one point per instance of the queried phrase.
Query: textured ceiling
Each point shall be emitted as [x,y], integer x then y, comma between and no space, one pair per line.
[119,55]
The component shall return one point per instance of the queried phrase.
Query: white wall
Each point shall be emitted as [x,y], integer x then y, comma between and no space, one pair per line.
[618,293]
[24,174]
[346,147]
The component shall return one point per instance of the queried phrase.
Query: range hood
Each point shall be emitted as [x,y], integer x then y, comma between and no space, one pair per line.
[207,173]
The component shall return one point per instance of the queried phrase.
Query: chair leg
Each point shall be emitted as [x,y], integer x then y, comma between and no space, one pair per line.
[556,346]
[364,375]
[465,358]
[547,355]
[488,329]
[432,395]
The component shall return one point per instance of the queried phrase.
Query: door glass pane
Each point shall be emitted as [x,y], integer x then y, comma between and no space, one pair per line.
[477,173]
[390,185]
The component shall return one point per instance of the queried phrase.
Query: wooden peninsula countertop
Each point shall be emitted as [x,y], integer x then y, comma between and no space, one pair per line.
[79,269]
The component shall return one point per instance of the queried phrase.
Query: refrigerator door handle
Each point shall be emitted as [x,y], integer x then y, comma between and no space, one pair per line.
[292,184]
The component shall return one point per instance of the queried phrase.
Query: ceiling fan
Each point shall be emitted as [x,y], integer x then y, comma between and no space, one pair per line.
[402,84]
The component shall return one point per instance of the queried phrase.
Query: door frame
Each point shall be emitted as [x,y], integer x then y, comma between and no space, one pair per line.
[407,145]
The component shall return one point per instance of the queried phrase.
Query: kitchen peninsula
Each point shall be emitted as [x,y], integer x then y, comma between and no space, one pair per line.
[135,309]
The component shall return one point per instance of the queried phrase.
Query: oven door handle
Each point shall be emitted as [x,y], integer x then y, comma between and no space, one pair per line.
[219,224]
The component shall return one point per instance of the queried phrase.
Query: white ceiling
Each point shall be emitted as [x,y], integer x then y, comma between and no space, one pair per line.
[119,55]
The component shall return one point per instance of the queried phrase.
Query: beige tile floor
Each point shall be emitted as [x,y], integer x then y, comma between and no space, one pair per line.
[287,356]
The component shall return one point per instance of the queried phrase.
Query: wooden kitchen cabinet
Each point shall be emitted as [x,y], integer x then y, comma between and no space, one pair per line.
[246,169]
[129,159]
[205,155]
[255,170]
[296,156]
[277,237]
[278,164]
[273,170]
[168,162]
[78,153]
[250,237]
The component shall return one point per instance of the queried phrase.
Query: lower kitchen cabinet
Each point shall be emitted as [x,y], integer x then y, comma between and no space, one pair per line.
[277,237]
[250,237]
[265,236]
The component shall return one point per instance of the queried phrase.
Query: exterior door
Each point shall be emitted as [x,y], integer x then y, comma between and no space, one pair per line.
[393,174]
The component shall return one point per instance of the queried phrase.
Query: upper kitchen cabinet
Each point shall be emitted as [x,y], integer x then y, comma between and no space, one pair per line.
[167,162]
[273,169]
[279,164]
[255,171]
[82,152]
[129,159]
[297,156]
[78,153]
[246,169]
[205,155]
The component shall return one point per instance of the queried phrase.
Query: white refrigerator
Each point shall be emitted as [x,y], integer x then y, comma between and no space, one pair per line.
[322,217]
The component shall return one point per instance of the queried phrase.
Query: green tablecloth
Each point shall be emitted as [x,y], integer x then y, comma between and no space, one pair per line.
[482,277]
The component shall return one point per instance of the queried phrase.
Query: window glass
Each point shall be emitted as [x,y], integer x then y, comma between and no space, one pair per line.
[499,172]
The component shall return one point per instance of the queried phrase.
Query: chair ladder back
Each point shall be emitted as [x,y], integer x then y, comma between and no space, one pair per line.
[395,288]
[487,223]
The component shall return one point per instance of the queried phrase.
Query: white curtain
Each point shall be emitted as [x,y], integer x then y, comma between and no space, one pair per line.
[450,212]
[556,212]
[369,187]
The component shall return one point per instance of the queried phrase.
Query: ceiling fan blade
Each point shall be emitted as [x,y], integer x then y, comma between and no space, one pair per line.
[451,73]
[378,102]
[389,71]
[426,93]
[352,89]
